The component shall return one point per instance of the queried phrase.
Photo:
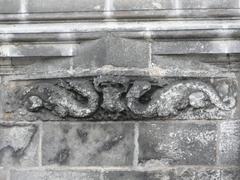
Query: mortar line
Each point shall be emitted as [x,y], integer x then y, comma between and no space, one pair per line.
[150,55]
[217,142]
[136,145]
[40,144]
[112,168]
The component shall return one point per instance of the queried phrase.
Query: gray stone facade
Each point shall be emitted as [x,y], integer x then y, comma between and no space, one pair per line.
[119,89]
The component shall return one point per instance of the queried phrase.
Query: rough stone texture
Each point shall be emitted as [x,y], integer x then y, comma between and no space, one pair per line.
[88,144]
[26,50]
[114,97]
[196,47]
[19,145]
[54,175]
[231,174]
[172,174]
[177,144]
[229,144]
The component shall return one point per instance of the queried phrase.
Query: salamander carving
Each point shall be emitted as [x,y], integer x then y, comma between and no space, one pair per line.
[66,98]
[172,99]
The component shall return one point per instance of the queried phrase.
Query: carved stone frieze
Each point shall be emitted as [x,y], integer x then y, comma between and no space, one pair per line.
[118,97]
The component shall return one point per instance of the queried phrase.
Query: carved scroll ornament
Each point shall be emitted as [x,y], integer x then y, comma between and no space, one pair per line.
[83,98]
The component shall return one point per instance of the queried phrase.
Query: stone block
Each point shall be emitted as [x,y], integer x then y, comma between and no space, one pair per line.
[10,6]
[229,144]
[54,175]
[88,144]
[113,51]
[43,67]
[196,47]
[176,4]
[177,144]
[64,5]
[19,145]
[33,50]
[191,64]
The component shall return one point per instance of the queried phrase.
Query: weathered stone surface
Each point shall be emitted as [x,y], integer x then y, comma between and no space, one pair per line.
[10,6]
[18,145]
[172,174]
[44,65]
[192,64]
[1,100]
[86,144]
[54,175]
[229,144]
[196,47]
[230,174]
[33,50]
[113,97]
[174,98]
[177,144]
[64,6]
[165,4]
[114,51]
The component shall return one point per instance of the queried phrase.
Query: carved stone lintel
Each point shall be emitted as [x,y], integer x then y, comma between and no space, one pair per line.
[118,97]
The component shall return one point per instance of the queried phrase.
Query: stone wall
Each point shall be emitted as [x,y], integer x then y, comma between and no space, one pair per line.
[119,89]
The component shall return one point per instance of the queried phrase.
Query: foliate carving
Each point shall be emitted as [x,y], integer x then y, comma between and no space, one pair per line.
[119,97]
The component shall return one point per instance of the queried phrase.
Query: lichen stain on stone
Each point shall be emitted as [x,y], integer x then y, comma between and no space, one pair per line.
[83,135]
[62,156]
[16,139]
[109,144]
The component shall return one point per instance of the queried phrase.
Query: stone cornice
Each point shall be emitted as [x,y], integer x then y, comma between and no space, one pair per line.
[144,14]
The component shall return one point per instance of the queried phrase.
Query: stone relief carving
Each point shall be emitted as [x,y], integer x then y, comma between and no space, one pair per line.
[176,97]
[65,98]
[112,88]
[118,97]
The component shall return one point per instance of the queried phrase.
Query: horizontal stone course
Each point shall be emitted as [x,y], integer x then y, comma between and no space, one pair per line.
[43,50]
[88,144]
[196,47]
[177,4]
[164,144]
[54,175]
[64,6]
[175,174]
